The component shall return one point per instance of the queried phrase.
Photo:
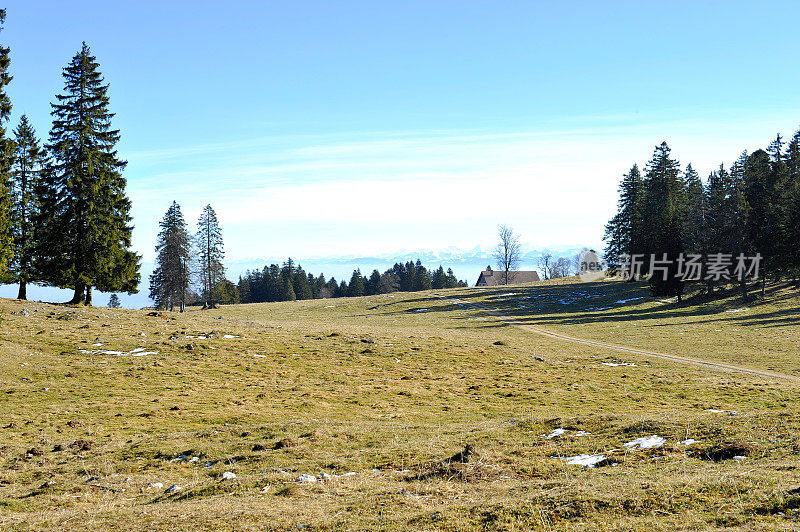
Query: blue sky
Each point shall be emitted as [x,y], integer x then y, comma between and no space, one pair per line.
[325,128]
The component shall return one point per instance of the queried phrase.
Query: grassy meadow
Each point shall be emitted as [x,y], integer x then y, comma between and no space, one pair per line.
[104,410]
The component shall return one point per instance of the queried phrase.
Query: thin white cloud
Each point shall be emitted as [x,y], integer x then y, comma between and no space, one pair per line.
[415,187]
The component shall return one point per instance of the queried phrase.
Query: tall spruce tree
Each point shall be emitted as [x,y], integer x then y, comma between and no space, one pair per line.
[761,186]
[356,286]
[790,224]
[209,242]
[619,231]
[723,222]
[287,288]
[662,221]
[85,223]
[6,250]
[300,285]
[695,231]
[740,212]
[26,169]
[169,282]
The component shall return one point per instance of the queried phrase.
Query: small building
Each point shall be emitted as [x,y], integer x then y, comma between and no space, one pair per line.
[494,278]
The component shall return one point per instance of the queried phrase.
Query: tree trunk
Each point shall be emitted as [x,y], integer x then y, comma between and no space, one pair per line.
[23,291]
[88,300]
[80,294]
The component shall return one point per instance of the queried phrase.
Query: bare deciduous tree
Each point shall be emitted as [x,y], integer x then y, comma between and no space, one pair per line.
[507,253]
[560,268]
[544,263]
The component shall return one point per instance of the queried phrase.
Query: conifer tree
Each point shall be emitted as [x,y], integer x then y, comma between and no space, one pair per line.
[169,282]
[761,184]
[333,287]
[211,253]
[695,231]
[341,290]
[373,285]
[6,250]
[85,223]
[662,221]
[300,284]
[740,213]
[356,286]
[790,224]
[451,281]
[439,278]
[287,290]
[113,301]
[26,169]
[422,279]
[620,230]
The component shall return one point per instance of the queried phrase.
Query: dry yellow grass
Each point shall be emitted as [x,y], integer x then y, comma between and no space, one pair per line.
[389,387]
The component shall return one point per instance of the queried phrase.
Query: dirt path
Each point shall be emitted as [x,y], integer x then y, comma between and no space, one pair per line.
[714,366]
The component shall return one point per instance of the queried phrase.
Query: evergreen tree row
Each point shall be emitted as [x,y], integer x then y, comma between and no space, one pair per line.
[751,208]
[64,215]
[289,282]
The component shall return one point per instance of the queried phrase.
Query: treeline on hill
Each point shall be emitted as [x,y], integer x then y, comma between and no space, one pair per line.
[64,215]
[289,282]
[751,208]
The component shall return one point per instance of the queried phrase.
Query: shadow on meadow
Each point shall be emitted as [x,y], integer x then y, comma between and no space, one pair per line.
[611,301]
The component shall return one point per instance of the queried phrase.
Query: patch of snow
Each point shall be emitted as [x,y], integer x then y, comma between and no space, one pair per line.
[714,410]
[228,475]
[260,356]
[556,433]
[421,310]
[138,352]
[585,460]
[155,485]
[688,441]
[627,300]
[345,475]
[739,457]
[646,442]
[173,488]
[614,364]
[229,336]
[305,477]
[324,476]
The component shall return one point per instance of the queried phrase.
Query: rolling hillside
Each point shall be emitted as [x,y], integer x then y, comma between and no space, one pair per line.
[415,410]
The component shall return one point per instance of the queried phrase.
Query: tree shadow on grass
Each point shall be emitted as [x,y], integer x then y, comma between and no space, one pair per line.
[606,301]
